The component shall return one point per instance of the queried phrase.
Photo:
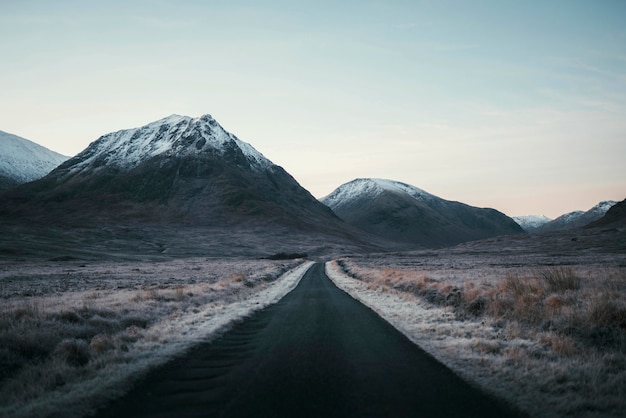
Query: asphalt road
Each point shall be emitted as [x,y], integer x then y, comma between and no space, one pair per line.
[316,353]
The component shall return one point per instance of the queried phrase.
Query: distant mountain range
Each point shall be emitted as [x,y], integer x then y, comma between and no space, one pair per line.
[192,181]
[22,160]
[615,217]
[401,212]
[531,223]
[576,219]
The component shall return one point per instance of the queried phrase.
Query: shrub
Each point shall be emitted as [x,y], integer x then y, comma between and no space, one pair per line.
[606,312]
[477,306]
[101,343]
[236,278]
[70,316]
[137,321]
[554,303]
[560,279]
[73,352]
[131,334]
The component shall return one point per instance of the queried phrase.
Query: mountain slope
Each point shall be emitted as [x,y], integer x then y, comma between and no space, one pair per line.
[404,213]
[577,218]
[178,169]
[22,160]
[614,217]
[176,187]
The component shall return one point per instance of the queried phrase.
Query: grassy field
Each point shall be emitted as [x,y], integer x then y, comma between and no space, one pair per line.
[547,332]
[74,334]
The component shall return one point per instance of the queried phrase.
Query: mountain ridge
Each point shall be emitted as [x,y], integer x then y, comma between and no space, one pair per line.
[22,160]
[175,134]
[577,218]
[614,217]
[398,211]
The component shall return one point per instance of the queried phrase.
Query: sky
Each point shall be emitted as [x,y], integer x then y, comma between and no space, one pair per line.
[519,106]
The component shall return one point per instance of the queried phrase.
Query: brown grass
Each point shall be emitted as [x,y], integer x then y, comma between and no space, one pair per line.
[560,279]
[593,311]
[56,329]
[574,325]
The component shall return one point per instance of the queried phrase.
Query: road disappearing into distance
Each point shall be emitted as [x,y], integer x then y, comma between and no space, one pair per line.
[315,353]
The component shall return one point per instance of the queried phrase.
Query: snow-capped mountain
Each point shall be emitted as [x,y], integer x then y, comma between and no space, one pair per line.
[22,160]
[177,169]
[405,213]
[530,223]
[577,218]
[171,136]
[615,217]
[369,188]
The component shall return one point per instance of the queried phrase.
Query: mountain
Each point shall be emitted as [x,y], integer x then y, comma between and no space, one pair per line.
[179,169]
[614,217]
[404,213]
[530,223]
[577,218]
[177,182]
[22,160]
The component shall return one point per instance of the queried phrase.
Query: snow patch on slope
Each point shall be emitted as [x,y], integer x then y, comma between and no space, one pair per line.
[571,216]
[598,211]
[578,218]
[531,222]
[602,208]
[22,160]
[175,134]
[371,188]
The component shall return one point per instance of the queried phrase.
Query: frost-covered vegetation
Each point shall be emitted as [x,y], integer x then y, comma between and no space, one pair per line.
[73,335]
[549,338]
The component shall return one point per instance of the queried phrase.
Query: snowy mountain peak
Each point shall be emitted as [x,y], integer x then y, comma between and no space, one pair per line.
[531,222]
[578,218]
[604,206]
[173,135]
[405,213]
[22,160]
[370,188]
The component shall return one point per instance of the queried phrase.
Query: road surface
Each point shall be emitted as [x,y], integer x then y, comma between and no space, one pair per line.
[316,353]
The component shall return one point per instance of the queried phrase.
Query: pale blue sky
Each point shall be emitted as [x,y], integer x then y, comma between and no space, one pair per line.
[520,106]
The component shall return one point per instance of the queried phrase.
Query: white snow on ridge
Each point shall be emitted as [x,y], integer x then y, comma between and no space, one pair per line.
[530,222]
[24,160]
[372,187]
[603,207]
[252,154]
[568,220]
[598,210]
[595,212]
[174,134]
[571,216]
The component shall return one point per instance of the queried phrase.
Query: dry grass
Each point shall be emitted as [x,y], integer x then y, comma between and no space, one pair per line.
[557,332]
[591,310]
[63,323]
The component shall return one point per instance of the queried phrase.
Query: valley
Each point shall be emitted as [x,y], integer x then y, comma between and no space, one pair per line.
[317,352]
[157,239]
[485,309]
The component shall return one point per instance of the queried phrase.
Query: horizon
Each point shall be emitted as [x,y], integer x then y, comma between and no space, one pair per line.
[514,107]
